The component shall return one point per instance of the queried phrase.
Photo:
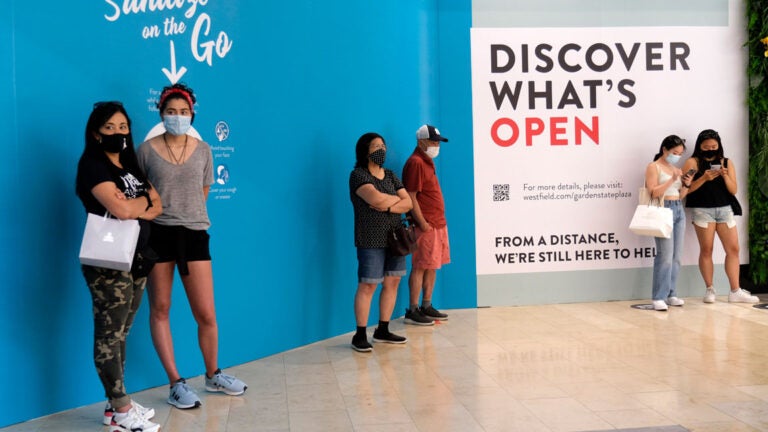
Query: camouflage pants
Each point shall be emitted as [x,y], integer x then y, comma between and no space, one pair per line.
[116,298]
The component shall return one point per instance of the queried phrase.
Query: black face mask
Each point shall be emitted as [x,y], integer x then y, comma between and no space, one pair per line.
[378,157]
[708,154]
[114,143]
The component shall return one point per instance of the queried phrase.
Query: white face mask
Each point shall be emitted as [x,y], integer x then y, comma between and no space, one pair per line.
[177,124]
[673,158]
[432,151]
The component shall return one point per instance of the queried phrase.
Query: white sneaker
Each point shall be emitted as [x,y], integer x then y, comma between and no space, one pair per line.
[710,296]
[674,301]
[144,412]
[742,296]
[659,305]
[131,422]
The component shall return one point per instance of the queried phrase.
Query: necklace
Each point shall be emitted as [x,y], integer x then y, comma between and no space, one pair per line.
[174,159]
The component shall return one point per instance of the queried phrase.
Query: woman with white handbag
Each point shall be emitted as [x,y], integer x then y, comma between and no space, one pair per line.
[666,182]
[109,180]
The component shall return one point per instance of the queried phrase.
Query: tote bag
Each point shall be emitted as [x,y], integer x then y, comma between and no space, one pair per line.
[109,243]
[651,220]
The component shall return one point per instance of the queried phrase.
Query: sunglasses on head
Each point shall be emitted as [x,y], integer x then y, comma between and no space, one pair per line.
[107,103]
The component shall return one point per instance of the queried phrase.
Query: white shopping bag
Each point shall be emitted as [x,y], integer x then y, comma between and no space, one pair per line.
[650,220]
[109,243]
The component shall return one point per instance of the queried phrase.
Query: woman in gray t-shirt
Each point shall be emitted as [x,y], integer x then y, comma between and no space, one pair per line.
[181,168]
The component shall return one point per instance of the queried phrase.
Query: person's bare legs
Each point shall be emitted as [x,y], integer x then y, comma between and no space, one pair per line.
[428,285]
[388,297]
[159,290]
[706,237]
[363,297]
[729,237]
[199,287]
[415,283]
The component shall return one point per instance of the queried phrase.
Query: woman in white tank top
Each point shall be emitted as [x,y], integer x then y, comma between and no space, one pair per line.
[665,181]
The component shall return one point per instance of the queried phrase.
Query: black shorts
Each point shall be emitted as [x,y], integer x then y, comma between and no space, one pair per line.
[180,244]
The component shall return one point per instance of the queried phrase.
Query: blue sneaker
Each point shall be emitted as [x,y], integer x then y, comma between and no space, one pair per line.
[182,396]
[222,382]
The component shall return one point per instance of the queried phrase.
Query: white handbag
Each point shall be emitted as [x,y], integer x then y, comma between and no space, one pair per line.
[652,220]
[109,243]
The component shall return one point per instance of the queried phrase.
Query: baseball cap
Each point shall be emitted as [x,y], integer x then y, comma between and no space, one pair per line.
[431,133]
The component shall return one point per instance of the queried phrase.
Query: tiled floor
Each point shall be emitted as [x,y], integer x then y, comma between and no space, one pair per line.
[574,367]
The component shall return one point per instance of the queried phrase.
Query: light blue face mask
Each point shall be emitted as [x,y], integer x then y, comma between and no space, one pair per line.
[673,158]
[177,124]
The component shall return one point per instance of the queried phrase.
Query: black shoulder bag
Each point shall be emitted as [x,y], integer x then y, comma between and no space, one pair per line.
[735,205]
[401,240]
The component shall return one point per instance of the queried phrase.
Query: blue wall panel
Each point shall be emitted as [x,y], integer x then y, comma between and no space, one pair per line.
[456,285]
[301,82]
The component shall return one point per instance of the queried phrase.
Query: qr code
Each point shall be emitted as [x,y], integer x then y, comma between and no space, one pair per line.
[501,192]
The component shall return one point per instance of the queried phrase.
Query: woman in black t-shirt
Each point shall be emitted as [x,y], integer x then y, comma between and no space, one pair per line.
[109,180]
[378,199]
[709,200]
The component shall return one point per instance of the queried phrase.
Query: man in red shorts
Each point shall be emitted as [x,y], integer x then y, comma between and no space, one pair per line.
[432,251]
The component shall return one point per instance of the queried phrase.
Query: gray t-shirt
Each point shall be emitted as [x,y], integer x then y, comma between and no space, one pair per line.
[180,186]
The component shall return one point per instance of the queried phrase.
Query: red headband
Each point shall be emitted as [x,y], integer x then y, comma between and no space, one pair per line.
[184,93]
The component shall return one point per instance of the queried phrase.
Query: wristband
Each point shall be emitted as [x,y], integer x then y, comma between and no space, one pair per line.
[149,200]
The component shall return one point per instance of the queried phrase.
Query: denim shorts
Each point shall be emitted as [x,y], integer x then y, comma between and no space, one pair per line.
[375,263]
[703,216]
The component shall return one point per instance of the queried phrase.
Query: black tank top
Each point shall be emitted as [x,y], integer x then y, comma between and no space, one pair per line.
[711,194]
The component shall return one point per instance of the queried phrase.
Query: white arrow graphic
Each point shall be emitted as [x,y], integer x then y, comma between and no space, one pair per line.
[172,75]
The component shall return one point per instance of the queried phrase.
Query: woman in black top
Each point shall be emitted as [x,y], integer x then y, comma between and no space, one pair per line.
[109,180]
[378,199]
[709,199]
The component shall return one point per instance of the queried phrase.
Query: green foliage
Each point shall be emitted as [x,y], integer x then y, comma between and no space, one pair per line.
[757,99]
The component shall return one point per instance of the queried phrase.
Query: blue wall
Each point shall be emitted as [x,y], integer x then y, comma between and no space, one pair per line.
[302,81]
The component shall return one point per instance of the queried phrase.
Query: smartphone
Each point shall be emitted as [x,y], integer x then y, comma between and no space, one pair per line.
[691,172]
[714,167]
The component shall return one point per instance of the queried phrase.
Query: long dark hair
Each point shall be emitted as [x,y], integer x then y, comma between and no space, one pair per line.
[669,143]
[361,149]
[703,136]
[102,112]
